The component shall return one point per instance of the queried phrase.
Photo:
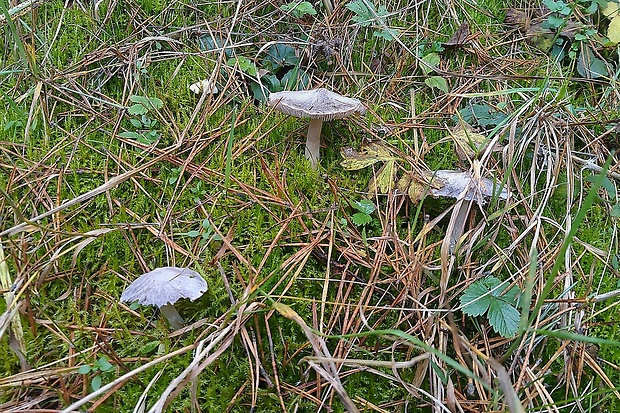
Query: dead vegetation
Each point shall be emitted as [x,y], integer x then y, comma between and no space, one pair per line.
[317,311]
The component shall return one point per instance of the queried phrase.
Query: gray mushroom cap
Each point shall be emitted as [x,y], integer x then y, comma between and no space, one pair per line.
[165,285]
[455,182]
[319,103]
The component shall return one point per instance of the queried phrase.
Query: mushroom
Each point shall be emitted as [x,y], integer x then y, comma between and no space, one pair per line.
[319,105]
[163,287]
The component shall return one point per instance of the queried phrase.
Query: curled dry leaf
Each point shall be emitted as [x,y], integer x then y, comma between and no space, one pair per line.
[460,37]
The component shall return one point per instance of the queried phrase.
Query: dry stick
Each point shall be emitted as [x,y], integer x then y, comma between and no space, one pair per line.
[110,184]
[327,269]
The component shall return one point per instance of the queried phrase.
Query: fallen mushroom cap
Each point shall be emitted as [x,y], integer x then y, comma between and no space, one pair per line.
[165,285]
[455,182]
[319,103]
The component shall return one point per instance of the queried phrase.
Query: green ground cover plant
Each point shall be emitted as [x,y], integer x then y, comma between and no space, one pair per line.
[367,284]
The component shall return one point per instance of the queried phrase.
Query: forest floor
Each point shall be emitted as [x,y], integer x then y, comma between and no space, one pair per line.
[454,250]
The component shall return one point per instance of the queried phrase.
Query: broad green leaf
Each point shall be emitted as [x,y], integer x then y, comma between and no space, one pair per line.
[299,10]
[613,30]
[365,206]
[362,14]
[432,60]
[361,219]
[104,364]
[85,369]
[147,102]
[193,234]
[387,34]
[474,301]
[504,318]
[610,9]
[96,383]
[137,109]
[590,66]
[245,65]
[135,122]
[130,135]
[280,55]
[437,82]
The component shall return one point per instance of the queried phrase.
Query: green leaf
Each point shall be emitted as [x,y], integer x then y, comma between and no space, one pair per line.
[148,347]
[135,122]
[615,211]
[557,6]
[96,383]
[387,34]
[432,60]
[147,102]
[85,369]
[137,109]
[361,219]
[476,299]
[130,135]
[590,66]
[281,55]
[104,364]
[362,14]
[299,10]
[365,206]
[504,318]
[192,234]
[437,82]
[245,65]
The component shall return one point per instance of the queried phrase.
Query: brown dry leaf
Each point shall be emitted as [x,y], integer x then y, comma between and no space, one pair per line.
[368,155]
[460,36]
[518,19]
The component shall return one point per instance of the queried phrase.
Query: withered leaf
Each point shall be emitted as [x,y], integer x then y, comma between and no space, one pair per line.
[468,144]
[460,36]
[383,182]
[368,155]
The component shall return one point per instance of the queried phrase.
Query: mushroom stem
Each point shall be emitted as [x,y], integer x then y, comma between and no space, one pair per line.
[313,142]
[172,315]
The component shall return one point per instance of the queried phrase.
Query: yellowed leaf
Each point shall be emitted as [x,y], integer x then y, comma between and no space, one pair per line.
[403,183]
[613,30]
[416,191]
[368,155]
[467,142]
[611,8]
[383,182]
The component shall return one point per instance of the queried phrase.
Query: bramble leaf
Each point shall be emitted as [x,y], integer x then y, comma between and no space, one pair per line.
[476,299]
[504,318]
[365,206]
[361,219]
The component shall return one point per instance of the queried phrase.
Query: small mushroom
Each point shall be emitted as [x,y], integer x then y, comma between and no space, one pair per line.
[319,105]
[163,287]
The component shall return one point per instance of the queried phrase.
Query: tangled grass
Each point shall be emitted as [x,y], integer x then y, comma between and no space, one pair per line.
[306,310]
